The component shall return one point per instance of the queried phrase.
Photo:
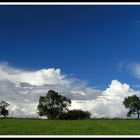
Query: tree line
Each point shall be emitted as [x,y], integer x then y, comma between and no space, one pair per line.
[55,106]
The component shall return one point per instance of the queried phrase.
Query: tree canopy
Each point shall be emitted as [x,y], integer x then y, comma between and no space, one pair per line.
[132,103]
[53,105]
[3,108]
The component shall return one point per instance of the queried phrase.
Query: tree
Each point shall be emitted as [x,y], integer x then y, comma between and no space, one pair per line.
[53,105]
[133,104]
[3,108]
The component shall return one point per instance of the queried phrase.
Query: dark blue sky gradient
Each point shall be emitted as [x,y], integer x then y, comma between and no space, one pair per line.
[88,41]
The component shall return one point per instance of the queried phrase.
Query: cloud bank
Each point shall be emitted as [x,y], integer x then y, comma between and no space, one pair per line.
[22,89]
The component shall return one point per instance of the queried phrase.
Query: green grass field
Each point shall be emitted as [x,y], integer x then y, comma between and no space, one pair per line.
[69,127]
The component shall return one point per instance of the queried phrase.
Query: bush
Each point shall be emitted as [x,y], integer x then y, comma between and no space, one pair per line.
[75,115]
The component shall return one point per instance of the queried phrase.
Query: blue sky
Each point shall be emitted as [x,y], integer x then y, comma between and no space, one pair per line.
[95,43]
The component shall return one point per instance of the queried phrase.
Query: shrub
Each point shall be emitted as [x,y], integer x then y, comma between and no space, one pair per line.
[75,115]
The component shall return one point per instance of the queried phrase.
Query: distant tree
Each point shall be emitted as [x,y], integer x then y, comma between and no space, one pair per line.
[132,103]
[75,115]
[53,105]
[3,108]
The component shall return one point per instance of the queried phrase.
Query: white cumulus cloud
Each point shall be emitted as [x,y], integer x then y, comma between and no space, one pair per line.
[109,103]
[22,89]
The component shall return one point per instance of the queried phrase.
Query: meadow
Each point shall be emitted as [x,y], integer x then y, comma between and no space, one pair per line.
[13,126]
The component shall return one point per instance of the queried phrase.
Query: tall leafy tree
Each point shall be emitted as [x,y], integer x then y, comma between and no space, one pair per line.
[53,105]
[3,108]
[132,103]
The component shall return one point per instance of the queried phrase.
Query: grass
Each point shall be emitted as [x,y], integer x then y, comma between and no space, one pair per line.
[13,126]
